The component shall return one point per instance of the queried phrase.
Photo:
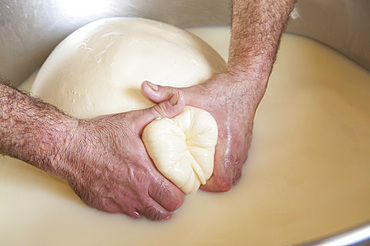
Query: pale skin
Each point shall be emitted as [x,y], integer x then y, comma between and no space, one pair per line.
[104,160]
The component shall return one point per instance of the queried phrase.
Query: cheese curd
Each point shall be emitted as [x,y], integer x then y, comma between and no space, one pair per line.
[183,147]
[99,68]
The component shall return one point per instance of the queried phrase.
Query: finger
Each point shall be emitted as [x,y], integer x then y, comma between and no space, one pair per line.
[223,172]
[110,206]
[167,109]
[192,95]
[142,205]
[166,194]
[154,211]
[221,181]
[157,93]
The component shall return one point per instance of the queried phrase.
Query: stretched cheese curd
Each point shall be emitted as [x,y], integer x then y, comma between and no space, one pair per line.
[99,69]
[183,148]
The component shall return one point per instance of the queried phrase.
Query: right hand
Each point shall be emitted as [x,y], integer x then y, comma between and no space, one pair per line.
[232,99]
[111,170]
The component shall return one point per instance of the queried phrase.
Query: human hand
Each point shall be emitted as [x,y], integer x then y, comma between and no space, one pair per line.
[111,170]
[232,99]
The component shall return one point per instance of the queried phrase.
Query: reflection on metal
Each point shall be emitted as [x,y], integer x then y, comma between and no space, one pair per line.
[359,236]
[86,8]
[29,30]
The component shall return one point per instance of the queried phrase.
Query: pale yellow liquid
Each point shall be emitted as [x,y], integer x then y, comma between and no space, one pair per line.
[307,175]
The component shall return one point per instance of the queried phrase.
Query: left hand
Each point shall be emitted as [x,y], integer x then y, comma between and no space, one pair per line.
[232,100]
[108,167]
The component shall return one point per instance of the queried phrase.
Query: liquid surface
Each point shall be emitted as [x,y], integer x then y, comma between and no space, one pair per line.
[307,174]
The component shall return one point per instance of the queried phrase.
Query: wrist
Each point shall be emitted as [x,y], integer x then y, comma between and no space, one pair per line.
[59,148]
[50,144]
[33,131]
[251,81]
[76,151]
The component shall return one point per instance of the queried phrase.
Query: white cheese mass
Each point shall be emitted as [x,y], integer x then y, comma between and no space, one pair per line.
[99,68]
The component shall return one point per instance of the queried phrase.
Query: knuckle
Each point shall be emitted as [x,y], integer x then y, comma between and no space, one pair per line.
[237,172]
[175,204]
[152,213]
[169,196]
[237,176]
[224,184]
[160,110]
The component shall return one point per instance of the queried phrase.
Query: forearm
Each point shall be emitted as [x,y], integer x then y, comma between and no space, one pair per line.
[257,26]
[33,131]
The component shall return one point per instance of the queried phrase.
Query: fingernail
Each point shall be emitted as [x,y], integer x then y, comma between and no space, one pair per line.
[153,86]
[174,99]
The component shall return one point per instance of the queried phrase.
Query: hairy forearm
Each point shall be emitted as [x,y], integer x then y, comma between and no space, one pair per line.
[257,26]
[33,131]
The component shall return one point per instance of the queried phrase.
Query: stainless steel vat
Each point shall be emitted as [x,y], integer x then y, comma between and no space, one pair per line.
[29,30]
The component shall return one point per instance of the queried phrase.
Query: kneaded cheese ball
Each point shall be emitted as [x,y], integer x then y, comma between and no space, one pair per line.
[183,147]
[99,68]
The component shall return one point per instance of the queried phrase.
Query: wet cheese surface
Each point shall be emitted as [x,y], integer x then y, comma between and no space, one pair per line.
[183,148]
[98,69]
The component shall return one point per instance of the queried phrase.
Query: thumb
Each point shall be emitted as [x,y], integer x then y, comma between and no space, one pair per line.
[166,109]
[157,93]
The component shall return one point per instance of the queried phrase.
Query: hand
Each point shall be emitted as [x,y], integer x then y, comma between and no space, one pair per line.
[232,100]
[111,168]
